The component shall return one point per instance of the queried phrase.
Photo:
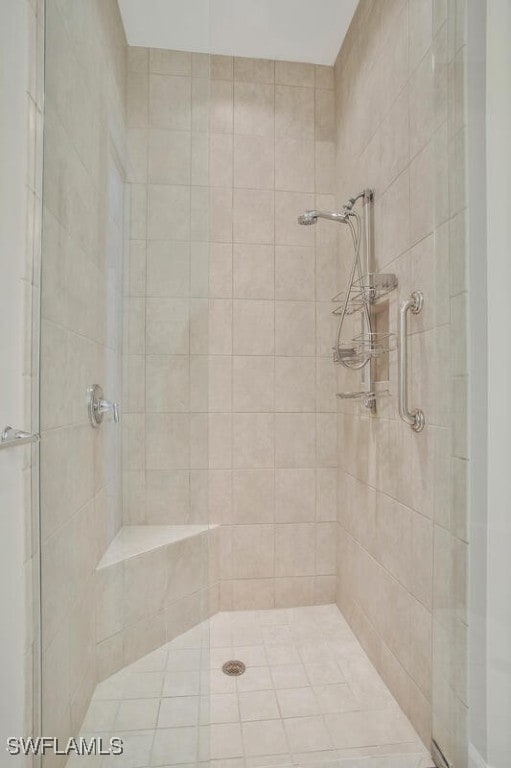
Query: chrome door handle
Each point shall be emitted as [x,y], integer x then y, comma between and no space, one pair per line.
[11,437]
[414,418]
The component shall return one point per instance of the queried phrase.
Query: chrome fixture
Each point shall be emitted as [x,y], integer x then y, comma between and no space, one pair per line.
[348,357]
[98,406]
[414,418]
[368,398]
[364,289]
[311,217]
[353,355]
[11,437]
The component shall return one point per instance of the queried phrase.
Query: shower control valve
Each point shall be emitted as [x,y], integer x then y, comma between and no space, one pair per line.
[98,406]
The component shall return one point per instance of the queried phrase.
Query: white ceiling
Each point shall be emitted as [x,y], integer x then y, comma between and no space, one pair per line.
[289,30]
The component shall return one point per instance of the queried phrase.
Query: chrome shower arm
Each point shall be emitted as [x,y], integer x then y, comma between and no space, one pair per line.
[311,217]
[341,215]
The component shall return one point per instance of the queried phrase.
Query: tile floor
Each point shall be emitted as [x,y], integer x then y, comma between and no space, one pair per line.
[309,696]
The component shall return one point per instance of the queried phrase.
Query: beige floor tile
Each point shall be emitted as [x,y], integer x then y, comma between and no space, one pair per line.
[137,714]
[258,705]
[223,708]
[226,741]
[178,712]
[297,702]
[303,699]
[335,698]
[254,679]
[264,737]
[289,676]
[307,734]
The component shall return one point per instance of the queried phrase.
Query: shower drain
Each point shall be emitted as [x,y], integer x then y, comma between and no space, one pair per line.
[233,668]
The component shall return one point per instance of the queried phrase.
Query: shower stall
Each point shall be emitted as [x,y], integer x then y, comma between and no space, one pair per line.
[252,550]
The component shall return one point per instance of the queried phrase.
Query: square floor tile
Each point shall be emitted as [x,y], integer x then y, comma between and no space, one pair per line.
[264,737]
[366,729]
[175,746]
[140,685]
[181,683]
[220,638]
[289,676]
[307,734]
[137,714]
[223,708]
[297,702]
[324,672]
[226,741]
[335,698]
[258,705]
[178,712]
[220,682]
[250,655]
[254,679]
[311,652]
[218,657]
[246,636]
[278,635]
[282,654]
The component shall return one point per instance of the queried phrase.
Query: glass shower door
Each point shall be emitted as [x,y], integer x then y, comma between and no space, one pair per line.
[125,541]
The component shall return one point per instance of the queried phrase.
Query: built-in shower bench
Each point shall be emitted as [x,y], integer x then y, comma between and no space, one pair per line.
[152,584]
[134,540]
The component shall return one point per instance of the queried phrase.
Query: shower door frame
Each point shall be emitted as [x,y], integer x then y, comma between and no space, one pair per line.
[23,96]
[489,243]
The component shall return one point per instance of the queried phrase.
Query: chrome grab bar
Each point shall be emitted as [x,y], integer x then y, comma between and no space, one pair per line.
[414,418]
[11,437]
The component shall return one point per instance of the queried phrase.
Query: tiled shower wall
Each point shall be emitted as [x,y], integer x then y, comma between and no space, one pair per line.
[401,494]
[165,449]
[272,430]
[228,326]
[81,314]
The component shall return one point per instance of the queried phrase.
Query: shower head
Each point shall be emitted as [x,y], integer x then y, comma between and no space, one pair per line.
[311,217]
[307,218]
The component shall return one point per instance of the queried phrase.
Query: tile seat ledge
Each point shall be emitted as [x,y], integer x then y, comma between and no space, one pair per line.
[134,540]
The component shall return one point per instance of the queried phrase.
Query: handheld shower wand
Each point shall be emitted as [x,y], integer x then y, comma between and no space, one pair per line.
[345,356]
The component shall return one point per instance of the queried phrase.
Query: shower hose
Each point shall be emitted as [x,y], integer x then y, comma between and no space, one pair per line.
[343,356]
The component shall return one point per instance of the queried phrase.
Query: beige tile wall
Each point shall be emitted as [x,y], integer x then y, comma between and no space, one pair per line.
[395,487]
[81,330]
[165,289]
[231,381]
[267,484]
